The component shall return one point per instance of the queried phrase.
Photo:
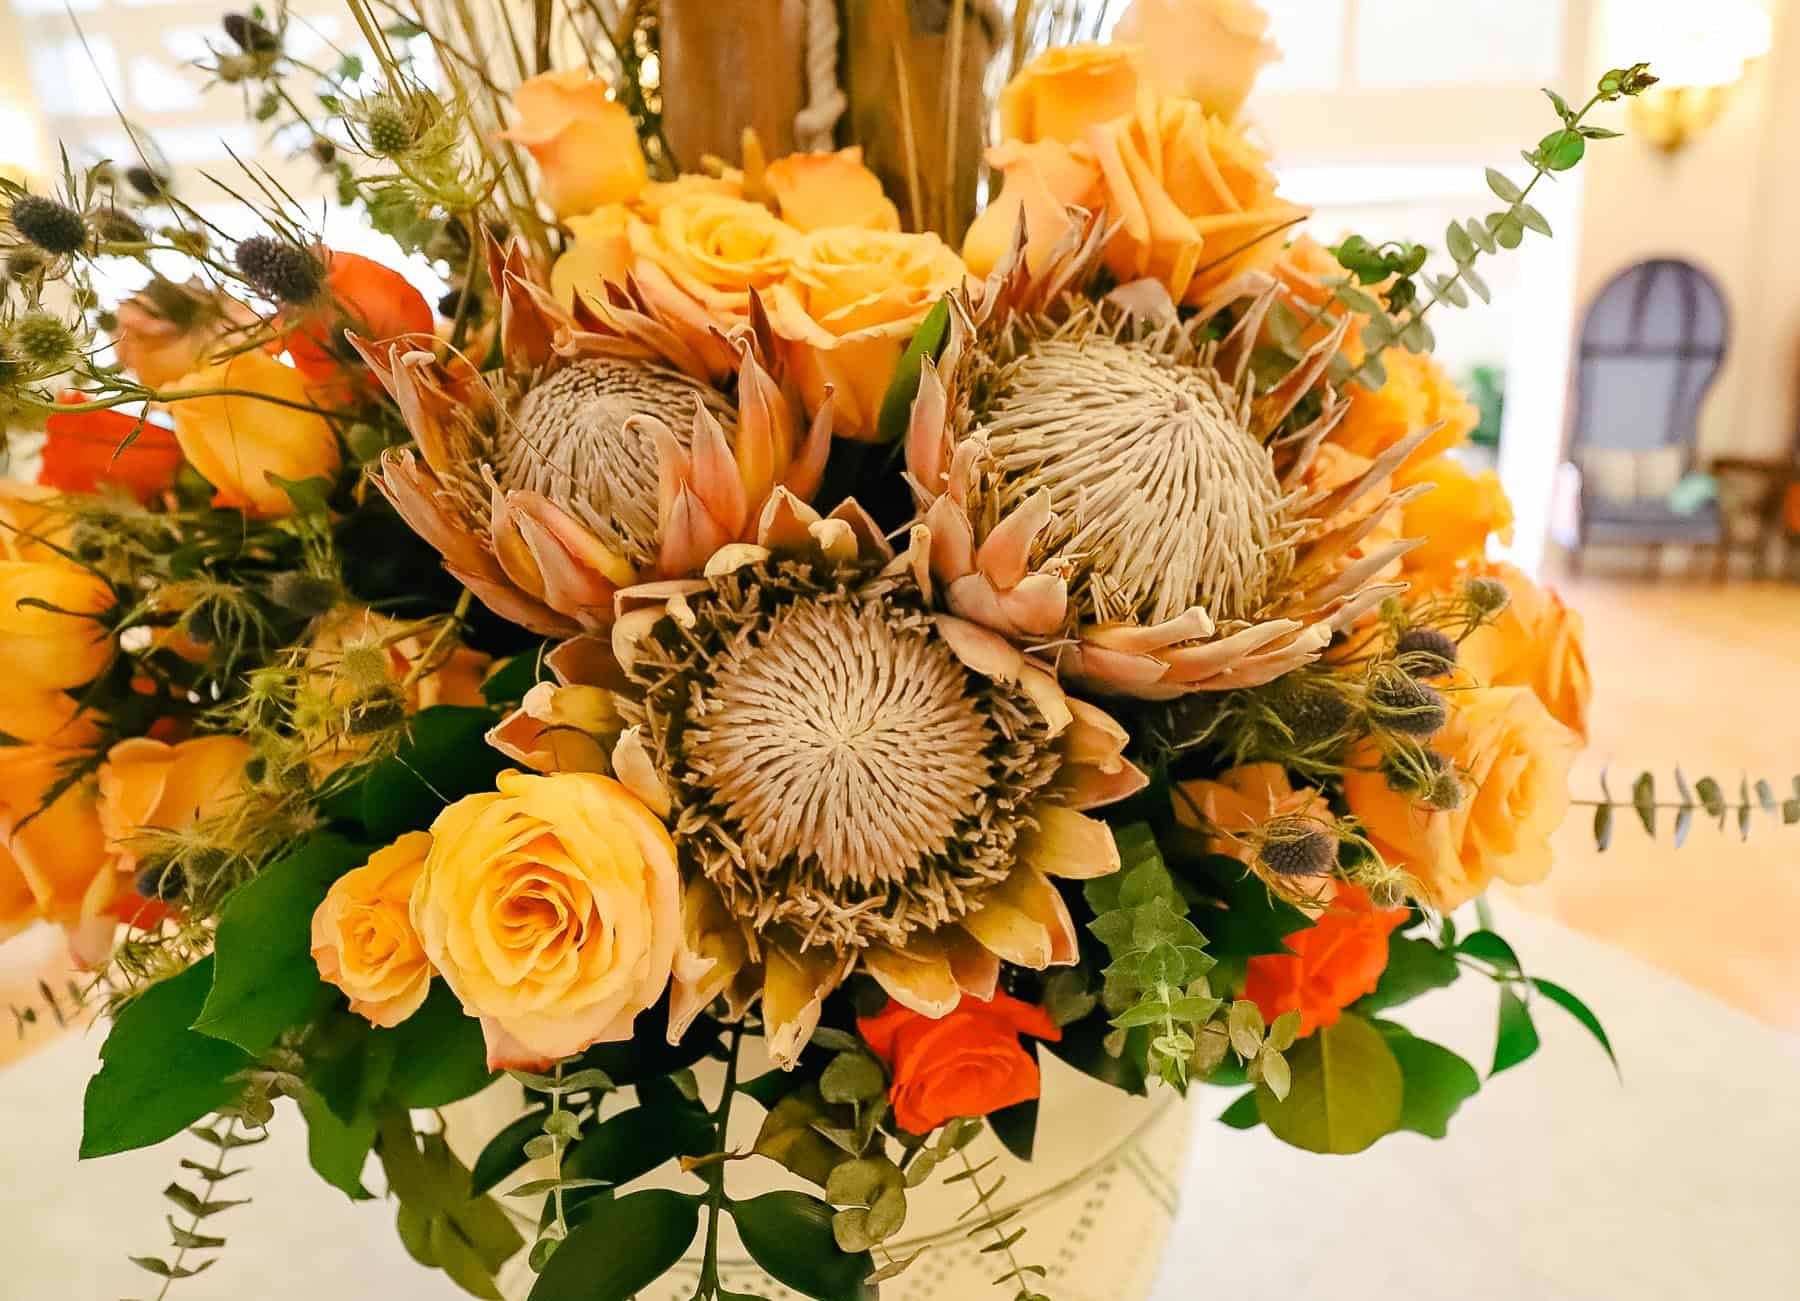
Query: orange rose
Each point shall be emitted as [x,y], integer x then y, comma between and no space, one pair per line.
[167,330]
[600,254]
[363,938]
[53,861]
[654,197]
[1455,519]
[1067,89]
[585,143]
[237,441]
[1241,801]
[1195,200]
[45,653]
[1042,181]
[148,785]
[718,248]
[1536,642]
[1207,50]
[815,190]
[362,295]
[28,523]
[1513,760]
[552,907]
[848,309]
[1329,965]
[969,1063]
[85,449]
[1418,394]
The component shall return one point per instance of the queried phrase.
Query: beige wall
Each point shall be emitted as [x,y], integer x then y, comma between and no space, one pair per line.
[1729,201]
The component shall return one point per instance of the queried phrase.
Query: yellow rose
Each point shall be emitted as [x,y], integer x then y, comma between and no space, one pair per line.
[1206,50]
[1418,394]
[363,938]
[1455,520]
[1067,89]
[1194,199]
[44,653]
[817,190]
[236,442]
[654,197]
[1514,760]
[719,249]
[585,143]
[150,785]
[599,254]
[848,310]
[1042,181]
[53,861]
[552,906]
[1537,643]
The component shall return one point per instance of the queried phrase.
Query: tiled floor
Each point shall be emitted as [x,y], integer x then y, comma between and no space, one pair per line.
[1558,1183]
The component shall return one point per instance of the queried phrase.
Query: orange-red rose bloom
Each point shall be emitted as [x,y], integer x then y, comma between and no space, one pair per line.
[85,449]
[969,1063]
[1330,964]
[361,295]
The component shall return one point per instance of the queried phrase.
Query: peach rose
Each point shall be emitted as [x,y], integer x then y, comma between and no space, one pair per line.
[552,906]
[146,785]
[1241,801]
[654,197]
[585,143]
[168,330]
[815,190]
[1536,642]
[600,254]
[53,861]
[1514,762]
[1455,519]
[29,524]
[47,652]
[848,309]
[237,441]
[1418,394]
[363,938]
[1067,89]
[1194,199]
[719,249]
[1329,965]
[1207,50]
[1041,182]
[969,1063]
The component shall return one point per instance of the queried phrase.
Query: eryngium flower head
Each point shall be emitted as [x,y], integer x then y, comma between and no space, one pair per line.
[1402,704]
[1426,652]
[54,227]
[276,269]
[1298,847]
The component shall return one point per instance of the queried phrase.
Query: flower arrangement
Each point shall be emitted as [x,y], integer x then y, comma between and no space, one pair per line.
[737,625]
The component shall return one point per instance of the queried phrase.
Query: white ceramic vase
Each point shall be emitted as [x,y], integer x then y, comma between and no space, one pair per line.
[1097,1199]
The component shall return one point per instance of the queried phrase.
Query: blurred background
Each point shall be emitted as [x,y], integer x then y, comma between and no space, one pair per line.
[1639,378]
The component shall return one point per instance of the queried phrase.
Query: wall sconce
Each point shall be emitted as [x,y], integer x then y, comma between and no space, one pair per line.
[1703,57]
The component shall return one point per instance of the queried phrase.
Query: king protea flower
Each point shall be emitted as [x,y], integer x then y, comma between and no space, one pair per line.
[622,441]
[858,782]
[1108,479]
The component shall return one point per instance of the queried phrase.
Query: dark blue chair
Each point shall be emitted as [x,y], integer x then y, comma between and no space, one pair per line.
[1650,348]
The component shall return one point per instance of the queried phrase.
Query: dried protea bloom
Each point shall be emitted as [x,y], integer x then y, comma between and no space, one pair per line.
[1111,478]
[857,780]
[623,442]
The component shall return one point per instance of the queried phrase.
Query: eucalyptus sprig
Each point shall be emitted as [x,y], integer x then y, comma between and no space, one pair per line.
[199,1203]
[1705,795]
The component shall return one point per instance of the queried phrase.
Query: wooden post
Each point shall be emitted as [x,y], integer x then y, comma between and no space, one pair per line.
[917,102]
[727,66]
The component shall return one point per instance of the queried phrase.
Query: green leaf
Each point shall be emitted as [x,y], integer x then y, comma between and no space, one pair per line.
[1477,284]
[853,1077]
[508,684]
[1437,1081]
[1562,150]
[1490,948]
[157,1076]
[1563,110]
[928,341]
[504,1154]
[621,1248]
[1503,187]
[1482,236]
[443,1056]
[1534,220]
[1242,1113]
[1414,967]
[1603,824]
[1346,1092]
[1712,797]
[1517,1038]
[1580,1011]
[1643,799]
[1083,1046]
[632,1143]
[1457,241]
[789,1235]
[338,1149]
[265,979]
[445,757]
